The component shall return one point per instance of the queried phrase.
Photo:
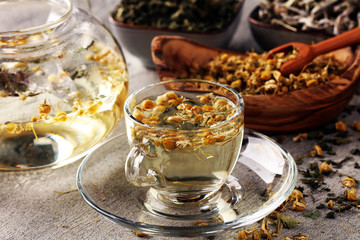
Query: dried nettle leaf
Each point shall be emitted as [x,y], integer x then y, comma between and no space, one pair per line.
[193,15]
[288,222]
[314,214]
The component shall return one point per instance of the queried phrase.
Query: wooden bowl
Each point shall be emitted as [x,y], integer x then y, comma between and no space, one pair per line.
[298,110]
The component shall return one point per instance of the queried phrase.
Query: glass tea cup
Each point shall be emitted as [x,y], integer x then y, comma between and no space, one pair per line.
[185,138]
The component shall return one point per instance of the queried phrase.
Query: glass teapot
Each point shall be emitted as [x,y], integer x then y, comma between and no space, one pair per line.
[63,83]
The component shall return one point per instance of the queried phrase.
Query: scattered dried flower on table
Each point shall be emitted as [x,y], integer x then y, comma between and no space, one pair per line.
[140,234]
[297,203]
[348,182]
[296,195]
[340,126]
[330,204]
[357,126]
[298,206]
[325,168]
[351,194]
[246,234]
[317,151]
[300,137]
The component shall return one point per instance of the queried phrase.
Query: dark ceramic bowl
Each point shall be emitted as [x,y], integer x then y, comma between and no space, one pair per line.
[269,36]
[137,39]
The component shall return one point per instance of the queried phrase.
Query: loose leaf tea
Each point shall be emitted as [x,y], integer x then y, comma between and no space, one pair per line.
[332,16]
[194,15]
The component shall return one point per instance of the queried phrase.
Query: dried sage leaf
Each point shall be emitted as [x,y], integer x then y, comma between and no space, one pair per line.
[288,222]
[314,214]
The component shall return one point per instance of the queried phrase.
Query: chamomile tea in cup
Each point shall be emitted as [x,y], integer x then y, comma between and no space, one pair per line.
[185,137]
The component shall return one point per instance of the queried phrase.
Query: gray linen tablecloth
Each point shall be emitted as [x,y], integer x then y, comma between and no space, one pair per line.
[32,208]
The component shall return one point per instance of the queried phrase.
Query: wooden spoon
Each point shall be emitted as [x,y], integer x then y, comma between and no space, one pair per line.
[306,53]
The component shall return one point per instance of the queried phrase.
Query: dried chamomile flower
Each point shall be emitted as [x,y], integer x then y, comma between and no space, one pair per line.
[298,206]
[330,204]
[3,93]
[351,194]
[61,116]
[301,238]
[256,235]
[207,98]
[296,195]
[157,110]
[357,126]
[265,229]
[245,234]
[317,151]
[148,104]
[300,137]
[209,141]
[138,115]
[140,234]
[94,107]
[169,144]
[22,97]
[348,182]
[325,168]
[11,127]
[174,119]
[44,108]
[340,126]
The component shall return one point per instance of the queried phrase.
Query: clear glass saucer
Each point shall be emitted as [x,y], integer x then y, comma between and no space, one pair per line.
[264,176]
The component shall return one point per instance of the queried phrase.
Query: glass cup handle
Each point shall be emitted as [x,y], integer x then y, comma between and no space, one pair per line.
[137,176]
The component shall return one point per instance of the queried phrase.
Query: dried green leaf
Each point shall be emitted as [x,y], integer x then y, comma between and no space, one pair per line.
[357,165]
[313,183]
[337,141]
[340,163]
[330,215]
[314,214]
[355,151]
[288,222]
